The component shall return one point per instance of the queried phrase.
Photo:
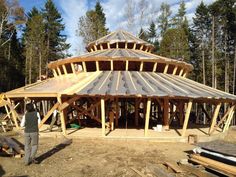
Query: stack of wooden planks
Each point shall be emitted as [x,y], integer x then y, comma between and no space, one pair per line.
[218,156]
[9,146]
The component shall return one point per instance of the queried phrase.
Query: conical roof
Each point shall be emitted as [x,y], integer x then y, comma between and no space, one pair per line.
[119,36]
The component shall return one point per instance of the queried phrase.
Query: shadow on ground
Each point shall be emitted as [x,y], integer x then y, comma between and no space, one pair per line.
[54,150]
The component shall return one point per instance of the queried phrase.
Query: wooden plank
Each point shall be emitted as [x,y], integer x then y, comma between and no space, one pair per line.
[63,123]
[193,170]
[14,113]
[215,164]
[230,116]
[103,117]
[54,72]
[138,172]
[101,47]
[174,167]
[108,45]
[95,47]
[141,48]
[127,65]
[185,74]
[187,114]
[49,113]
[147,117]
[181,72]
[59,71]
[134,46]
[159,170]
[112,67]
[213,122]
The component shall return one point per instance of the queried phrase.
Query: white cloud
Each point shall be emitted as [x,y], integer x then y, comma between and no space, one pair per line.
[72,11]
[115,18]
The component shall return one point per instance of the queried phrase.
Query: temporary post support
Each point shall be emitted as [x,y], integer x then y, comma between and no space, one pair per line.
[63,123]
[187,114]
[213,121]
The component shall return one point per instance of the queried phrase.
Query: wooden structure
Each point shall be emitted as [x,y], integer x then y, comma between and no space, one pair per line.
[120,74]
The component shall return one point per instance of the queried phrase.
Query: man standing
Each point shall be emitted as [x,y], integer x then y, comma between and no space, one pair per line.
[30,121]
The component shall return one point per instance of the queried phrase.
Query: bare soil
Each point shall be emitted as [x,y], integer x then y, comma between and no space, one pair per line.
[96,157]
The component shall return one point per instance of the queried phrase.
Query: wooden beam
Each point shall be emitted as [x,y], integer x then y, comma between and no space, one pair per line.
[73,68]
[101,47]
[187,114]
[154,67]
[147,117]
[97,66]
[49,113]
[103,117]
[185,74]
[166,114]
[127,65]
[141,48]
[213,121]
[117,45]
[146,49]
[136,112]
[175,69]
[108,45]
[126,45]
[64,69]
[63,123]
[141,66]
[14,113]
[205,112]
[68,102]
[134,46]
[166,69]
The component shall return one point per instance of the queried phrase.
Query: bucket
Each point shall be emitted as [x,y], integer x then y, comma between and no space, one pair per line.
[159,128]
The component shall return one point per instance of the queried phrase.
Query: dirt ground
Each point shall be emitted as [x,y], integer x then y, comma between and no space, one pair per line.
[95,157]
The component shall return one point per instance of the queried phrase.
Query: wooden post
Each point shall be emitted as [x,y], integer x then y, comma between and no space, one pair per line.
[127,65]
[166,69]
[136,112]
[174,71]
[181,72]
[97,66]
[185,74]
[117,45]
[108,45]
[54,73]
[112,68]
[59,71]
[14,113]
[84,66]
[213,121]
[187,114]
[73,68]
[95,47]
[166,114]
[103,117]
[64,69]
[126,45]
[147,117]
[134,46]
[141,66]
[63,124]
[141,48]
[101,47]
[154,67]
[117,112]
[181,111]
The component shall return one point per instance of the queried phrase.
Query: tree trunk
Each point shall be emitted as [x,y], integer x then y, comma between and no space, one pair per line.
[40,64]
[203,67]
[234,75]
[30,65]
[213,52]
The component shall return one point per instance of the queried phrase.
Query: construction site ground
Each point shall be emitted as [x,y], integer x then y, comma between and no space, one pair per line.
[97,157]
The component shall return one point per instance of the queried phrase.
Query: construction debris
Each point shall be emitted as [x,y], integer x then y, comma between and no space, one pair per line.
[218,156]
[9,146]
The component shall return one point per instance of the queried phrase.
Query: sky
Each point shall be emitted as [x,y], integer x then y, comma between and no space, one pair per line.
[72,10]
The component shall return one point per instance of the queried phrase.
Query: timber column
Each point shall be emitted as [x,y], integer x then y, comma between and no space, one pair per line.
[166,114]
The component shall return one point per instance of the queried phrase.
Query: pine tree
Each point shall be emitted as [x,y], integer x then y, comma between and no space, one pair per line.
[175,44]
[143,34]
[92,26]
[152,36]
[163,19]
[56,42]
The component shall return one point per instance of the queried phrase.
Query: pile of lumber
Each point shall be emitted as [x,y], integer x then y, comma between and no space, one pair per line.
[218,156]
[11,147]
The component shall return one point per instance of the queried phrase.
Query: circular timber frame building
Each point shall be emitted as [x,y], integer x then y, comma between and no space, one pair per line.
[120,83]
